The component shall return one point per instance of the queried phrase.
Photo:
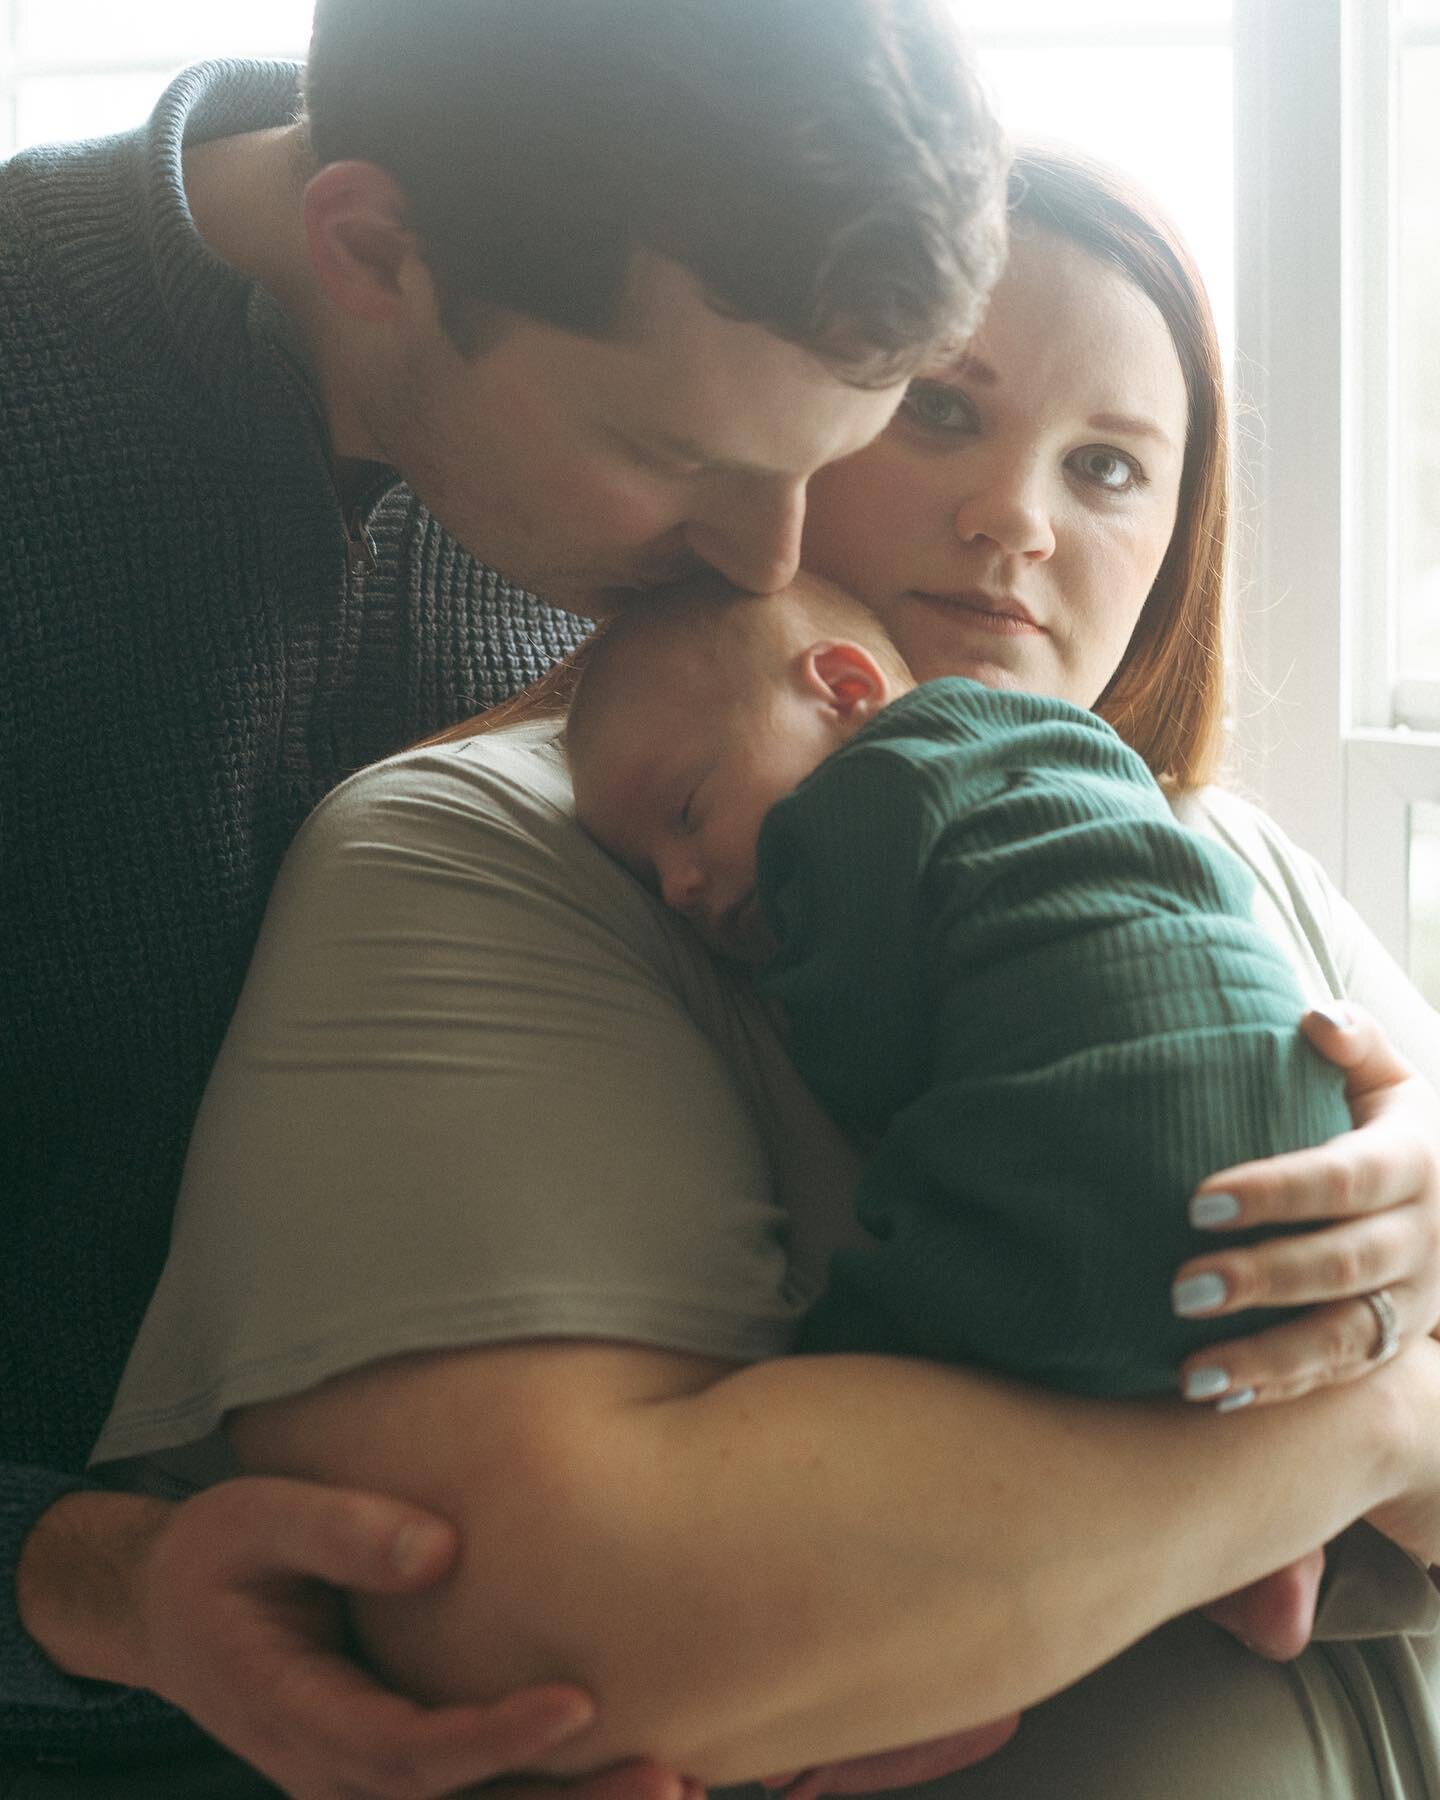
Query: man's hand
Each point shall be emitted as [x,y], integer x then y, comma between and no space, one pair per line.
[229,1605]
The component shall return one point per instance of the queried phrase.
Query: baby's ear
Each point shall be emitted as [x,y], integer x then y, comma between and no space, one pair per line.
[847,678]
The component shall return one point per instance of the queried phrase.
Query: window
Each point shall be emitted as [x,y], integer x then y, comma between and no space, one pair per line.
[81,68]
[1297,143]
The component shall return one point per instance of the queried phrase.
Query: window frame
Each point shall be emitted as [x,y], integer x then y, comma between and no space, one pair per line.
[1316,732]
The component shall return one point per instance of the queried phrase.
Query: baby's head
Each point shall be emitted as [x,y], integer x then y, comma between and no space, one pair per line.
[696,711]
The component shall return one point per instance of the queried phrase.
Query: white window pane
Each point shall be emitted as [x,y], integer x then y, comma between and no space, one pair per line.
[83,106]
[1420,12]
[175,31]
[1418,358]
[1025,15]
[1425,900]
[1163,114]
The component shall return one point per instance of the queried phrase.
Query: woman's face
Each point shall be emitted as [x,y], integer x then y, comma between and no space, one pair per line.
[1010,521]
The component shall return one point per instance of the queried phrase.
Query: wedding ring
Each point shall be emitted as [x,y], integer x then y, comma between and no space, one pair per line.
[1388,1322]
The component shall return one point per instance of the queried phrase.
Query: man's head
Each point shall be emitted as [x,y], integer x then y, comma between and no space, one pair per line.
[696,712]
[513,193]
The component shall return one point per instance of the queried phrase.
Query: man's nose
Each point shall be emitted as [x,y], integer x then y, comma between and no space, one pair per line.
[1012,511]
[751,535]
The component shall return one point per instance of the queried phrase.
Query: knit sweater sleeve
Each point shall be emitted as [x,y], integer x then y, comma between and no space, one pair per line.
[46,1710]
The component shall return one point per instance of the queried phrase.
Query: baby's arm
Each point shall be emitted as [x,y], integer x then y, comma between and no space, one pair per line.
[1099,1022]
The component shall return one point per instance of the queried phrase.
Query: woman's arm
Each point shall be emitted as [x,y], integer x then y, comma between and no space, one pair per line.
[817,1558]
[465,1101]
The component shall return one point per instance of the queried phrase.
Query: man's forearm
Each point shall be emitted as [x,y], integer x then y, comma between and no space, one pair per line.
[811,1558]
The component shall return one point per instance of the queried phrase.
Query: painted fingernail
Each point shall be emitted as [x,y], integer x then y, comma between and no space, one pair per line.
[1339,1015]
[1213,1209]
[1198,1294]
[1233,1402]
[1205,1384]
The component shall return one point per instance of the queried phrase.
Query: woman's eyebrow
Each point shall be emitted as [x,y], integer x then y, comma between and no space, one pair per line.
[1131,425]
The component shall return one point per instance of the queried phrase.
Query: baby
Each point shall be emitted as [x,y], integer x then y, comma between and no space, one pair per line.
[1040,1002]
[1005,968]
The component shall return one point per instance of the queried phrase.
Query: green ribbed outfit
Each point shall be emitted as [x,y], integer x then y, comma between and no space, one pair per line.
[1048,1007]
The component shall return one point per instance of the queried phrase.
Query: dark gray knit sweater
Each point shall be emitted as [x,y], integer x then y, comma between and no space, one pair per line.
[186,666]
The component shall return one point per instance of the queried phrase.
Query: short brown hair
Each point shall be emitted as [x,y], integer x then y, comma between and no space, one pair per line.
[1167,699]
[828,169]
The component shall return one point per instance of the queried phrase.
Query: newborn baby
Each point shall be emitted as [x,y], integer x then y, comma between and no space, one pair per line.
[1038,1001]
[1005,968]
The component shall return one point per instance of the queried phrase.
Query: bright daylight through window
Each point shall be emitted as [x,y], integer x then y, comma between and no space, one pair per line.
[1321,244]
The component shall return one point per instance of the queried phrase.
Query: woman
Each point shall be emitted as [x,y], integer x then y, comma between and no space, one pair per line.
[505,1199]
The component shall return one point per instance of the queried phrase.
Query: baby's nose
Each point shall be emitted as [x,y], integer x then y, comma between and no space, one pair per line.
[681,884]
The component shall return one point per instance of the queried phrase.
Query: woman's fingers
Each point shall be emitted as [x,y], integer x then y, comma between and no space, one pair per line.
[1322,1348]
[1347,1035]
[1360,1172]
[1391,1159]
[1336,1262]
[1330,1271]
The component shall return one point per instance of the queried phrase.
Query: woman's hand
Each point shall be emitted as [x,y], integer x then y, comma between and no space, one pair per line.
[1379,1184]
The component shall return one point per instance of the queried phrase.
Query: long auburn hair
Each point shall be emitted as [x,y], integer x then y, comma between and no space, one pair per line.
[1167,698]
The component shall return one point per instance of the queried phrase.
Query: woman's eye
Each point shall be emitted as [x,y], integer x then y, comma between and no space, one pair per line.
[936,407]
[1109,469]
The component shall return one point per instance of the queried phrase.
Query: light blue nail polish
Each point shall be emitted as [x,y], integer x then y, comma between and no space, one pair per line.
[1205,1384]
[1233,1402]
[1338,1013]
[1213,1209]
[1198,1294]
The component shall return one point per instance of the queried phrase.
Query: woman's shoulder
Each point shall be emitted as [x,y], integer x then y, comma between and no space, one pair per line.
[516,777]
[1247,830]
[474,840]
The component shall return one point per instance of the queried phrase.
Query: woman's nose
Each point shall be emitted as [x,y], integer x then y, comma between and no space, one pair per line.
[1012,512]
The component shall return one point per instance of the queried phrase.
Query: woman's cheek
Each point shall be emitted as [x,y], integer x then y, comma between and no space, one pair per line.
[858,514]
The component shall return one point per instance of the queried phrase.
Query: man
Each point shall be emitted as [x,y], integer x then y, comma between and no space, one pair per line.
[582,293]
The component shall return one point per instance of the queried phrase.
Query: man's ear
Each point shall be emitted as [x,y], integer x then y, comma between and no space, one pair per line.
[847,678]
[365,256]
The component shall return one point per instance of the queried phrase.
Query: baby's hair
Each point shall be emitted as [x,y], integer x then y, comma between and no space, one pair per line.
[725,627]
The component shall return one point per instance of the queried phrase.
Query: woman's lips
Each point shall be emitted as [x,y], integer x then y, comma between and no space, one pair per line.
[1000,614]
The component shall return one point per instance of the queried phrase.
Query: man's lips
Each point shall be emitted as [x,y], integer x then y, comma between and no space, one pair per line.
[1000,613]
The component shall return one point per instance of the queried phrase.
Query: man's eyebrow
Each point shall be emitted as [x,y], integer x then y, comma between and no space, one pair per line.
[678,447]
[1131,425]
[684,450]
